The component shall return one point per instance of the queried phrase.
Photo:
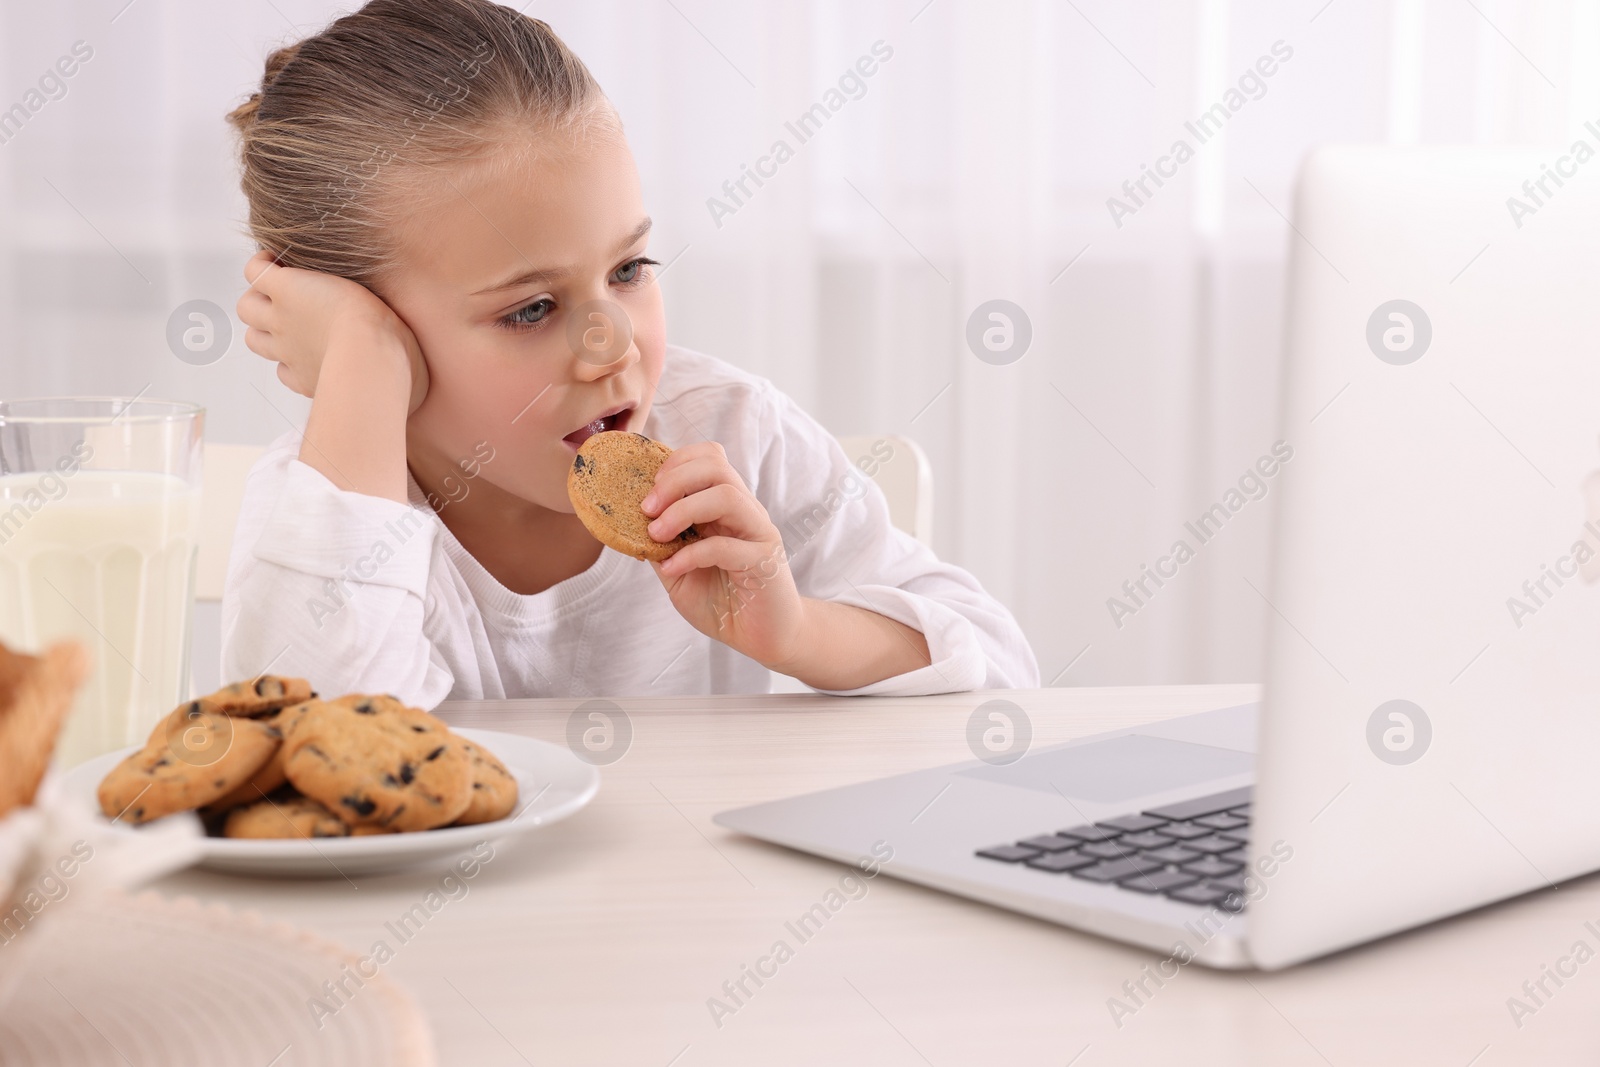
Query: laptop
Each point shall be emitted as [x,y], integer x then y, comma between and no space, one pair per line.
[1430,715]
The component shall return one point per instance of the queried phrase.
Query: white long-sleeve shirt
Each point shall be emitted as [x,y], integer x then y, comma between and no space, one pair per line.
[361,594]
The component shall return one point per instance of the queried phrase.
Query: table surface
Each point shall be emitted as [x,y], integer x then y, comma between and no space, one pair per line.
[601,939]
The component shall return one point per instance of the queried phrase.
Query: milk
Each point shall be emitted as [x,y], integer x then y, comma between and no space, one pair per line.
[106,557]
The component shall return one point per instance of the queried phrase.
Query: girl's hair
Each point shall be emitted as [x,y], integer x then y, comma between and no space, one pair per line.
[362,111]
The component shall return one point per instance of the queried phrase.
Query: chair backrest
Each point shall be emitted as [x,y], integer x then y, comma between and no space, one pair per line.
[897,464]
[222,491]
[903,472]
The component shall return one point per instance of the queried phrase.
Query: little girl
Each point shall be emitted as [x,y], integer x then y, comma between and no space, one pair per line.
[455,270]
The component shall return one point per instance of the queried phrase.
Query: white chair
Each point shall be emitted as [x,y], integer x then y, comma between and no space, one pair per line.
[897,464]
[906,478]
[221,492]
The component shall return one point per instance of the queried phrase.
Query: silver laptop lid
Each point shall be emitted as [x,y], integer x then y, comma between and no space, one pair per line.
[1432,707]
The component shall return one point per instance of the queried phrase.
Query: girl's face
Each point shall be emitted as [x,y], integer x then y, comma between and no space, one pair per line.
[527,286]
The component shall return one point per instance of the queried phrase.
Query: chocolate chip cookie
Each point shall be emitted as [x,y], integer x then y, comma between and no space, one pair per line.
[288,816]
[373,761]
[193,758]
[271,775]
[494,790]
[612,473]
[261,696]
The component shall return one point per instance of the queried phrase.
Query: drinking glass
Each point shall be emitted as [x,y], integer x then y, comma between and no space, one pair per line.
[99,523]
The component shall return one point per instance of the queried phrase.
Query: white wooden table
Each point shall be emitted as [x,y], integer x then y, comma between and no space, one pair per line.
[601,940]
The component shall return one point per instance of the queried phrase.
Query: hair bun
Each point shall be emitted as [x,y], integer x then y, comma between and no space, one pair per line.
[244,116]
[277,61]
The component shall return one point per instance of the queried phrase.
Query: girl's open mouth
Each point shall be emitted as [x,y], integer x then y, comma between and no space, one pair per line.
[613,420]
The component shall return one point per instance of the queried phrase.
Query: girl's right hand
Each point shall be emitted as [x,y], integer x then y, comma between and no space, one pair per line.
[291,314]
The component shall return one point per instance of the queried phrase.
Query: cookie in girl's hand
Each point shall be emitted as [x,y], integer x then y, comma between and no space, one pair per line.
[611,475]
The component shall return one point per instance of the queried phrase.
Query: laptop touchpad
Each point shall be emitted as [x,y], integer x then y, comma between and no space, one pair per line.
[1119,769]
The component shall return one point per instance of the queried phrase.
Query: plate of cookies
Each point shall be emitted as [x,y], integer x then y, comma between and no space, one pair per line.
[286,782]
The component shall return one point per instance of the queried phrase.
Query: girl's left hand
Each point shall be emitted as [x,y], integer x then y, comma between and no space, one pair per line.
[733,584]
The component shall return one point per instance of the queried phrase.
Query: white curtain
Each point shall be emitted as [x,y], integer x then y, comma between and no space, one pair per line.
[974,163]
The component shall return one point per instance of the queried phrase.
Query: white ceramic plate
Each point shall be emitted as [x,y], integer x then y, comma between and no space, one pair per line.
[552,783]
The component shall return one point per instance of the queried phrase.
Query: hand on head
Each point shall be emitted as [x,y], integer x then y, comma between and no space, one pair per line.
[291,315]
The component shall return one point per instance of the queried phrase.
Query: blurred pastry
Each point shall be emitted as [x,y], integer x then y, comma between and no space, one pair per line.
[36,692]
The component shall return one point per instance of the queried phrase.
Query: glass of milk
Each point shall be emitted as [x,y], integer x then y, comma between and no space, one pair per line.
[99,519]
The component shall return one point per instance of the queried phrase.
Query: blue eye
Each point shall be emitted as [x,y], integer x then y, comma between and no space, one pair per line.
[531,315]
[633,272]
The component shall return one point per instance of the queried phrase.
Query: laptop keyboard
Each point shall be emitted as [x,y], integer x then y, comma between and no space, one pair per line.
[1194,851]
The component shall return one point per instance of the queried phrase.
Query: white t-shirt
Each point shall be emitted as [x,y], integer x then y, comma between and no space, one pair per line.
[361,594]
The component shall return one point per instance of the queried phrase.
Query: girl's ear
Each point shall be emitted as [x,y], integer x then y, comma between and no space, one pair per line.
[419,378]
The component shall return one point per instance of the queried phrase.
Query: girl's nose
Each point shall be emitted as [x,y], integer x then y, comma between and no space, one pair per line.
[600,335]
